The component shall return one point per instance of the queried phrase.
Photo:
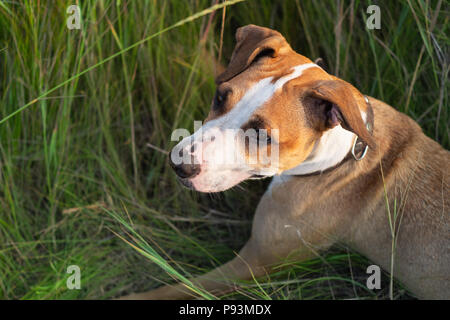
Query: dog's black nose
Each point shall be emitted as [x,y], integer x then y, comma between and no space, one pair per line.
[185,171]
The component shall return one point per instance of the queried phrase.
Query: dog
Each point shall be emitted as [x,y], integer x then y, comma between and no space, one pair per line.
[350,169]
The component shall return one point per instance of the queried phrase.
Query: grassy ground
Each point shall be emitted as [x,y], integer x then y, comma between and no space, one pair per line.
[84,165]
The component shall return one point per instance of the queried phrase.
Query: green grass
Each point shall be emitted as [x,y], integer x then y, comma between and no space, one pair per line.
[77,175]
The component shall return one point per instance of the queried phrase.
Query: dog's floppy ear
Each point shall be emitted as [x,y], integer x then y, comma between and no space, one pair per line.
[339,103]
[252,42]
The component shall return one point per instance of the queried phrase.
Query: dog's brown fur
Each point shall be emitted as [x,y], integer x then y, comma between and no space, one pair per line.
[304,214]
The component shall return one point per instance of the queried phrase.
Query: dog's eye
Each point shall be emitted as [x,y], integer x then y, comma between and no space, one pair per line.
[219,100]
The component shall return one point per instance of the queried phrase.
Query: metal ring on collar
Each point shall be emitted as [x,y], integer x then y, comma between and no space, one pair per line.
[353,151]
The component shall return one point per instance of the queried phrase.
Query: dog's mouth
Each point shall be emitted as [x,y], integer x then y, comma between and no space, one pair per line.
[258,177]
[186,183]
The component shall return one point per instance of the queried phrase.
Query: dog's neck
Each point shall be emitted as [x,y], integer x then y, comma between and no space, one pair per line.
[328,151]
[333,147]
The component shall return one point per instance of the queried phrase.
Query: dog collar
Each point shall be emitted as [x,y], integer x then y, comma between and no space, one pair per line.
[359,147]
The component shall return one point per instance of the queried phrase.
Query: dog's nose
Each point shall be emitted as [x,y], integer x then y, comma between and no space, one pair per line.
[185,171]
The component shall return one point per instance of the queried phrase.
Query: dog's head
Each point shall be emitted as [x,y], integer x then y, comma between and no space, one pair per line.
[273,110]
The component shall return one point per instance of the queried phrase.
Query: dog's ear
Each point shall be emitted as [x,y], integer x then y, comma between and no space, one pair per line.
[336,102]
[253,42]
[321,63]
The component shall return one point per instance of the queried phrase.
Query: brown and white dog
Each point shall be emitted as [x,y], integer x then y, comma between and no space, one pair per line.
[349,169]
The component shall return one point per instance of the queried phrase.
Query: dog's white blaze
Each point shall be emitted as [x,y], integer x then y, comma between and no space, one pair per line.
[329,151]
[255,98]
[260,93]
